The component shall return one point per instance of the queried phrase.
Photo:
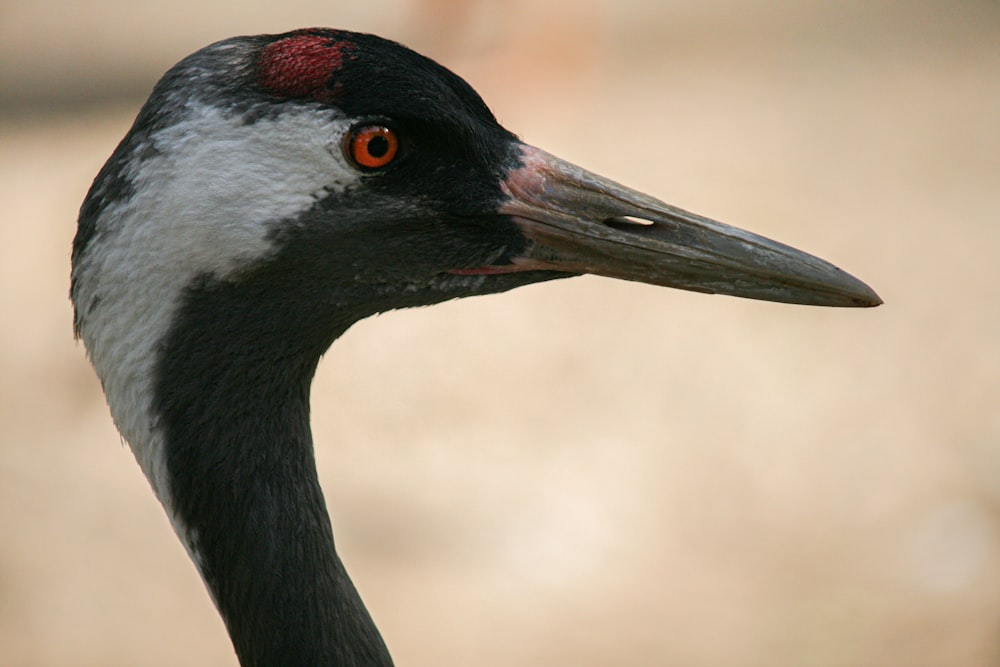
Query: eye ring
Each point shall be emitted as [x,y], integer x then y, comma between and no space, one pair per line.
[372,146]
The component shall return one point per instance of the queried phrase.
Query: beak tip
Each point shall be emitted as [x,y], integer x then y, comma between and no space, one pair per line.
[871,301]
[860,294]
[840,290]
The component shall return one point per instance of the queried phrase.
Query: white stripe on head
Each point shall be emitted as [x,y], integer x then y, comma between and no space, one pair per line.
[206,194]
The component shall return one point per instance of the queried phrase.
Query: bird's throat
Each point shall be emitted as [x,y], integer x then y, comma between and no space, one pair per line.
[244,492]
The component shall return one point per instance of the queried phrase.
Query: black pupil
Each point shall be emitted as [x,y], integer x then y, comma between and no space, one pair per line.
[378,146]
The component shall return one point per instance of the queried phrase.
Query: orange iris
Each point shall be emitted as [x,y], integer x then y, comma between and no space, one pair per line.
[373,146]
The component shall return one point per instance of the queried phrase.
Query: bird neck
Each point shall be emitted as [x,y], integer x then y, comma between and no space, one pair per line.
[233,402]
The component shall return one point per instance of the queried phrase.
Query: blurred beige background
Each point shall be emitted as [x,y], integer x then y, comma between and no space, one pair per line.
[586,472]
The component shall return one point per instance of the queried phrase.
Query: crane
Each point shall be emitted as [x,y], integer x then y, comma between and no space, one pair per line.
[276,189]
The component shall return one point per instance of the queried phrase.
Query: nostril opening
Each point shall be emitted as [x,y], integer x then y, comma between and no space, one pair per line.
[624,222]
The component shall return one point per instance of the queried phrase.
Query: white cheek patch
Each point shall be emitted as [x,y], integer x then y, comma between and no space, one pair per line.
[204,201]
[220,183]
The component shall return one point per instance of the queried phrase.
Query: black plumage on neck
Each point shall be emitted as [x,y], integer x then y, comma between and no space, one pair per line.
[232,394]
[231,397]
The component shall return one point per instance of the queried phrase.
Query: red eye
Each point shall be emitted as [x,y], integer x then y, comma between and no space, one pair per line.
[372,146]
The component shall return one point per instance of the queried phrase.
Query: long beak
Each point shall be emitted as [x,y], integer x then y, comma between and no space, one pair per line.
[580,222]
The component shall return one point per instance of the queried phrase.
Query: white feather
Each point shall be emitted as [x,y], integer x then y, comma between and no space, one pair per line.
[204,201]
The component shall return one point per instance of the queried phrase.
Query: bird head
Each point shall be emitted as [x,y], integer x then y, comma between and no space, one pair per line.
[346,175]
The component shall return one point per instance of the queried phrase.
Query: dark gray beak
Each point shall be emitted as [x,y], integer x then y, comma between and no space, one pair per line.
[579,222]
